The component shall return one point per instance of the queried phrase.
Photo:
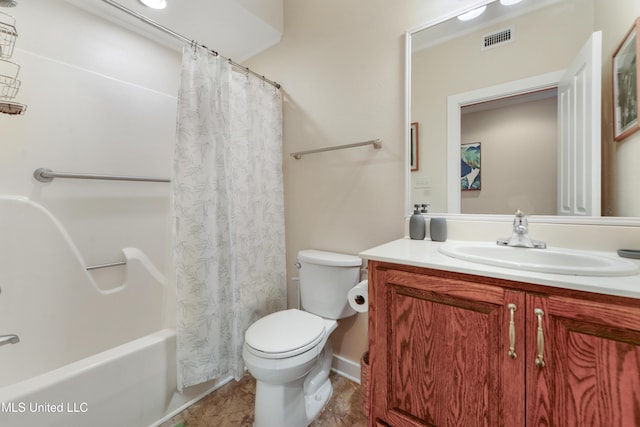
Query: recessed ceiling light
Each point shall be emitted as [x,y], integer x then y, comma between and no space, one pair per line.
[509,2]
[472,14]
[154,4]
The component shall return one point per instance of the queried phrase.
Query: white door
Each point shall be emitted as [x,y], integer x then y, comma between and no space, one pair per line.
[579,101]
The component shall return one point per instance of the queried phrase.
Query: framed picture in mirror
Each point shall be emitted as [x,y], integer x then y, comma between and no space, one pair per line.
[415,147]
[470,167]
[625,85]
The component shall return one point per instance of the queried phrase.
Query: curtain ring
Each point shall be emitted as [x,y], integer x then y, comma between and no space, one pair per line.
[211,51]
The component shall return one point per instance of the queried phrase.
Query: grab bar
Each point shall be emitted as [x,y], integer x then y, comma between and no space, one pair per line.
[377,144]
[111,264]
[9,339]
[47,175]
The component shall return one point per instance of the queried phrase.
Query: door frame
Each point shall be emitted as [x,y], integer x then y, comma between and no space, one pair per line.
[491,93]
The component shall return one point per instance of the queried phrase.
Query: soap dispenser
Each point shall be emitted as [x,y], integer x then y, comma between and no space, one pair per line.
[417,227]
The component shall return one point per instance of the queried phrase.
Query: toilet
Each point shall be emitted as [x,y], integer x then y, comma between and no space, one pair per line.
[288,352]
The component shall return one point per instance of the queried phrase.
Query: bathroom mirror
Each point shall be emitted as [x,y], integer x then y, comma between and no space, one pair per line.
[534,40]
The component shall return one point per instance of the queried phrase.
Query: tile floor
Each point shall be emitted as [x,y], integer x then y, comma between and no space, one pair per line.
[232,405]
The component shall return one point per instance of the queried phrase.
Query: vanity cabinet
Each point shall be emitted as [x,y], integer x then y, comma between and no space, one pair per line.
[452,349]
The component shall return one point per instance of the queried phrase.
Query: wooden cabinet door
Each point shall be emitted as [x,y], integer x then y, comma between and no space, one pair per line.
[591,354]
[441,349]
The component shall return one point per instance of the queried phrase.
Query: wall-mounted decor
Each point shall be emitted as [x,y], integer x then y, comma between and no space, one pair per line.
[414,148]
[625,85]
[470,166]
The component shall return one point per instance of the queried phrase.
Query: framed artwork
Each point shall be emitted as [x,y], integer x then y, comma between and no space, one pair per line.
[470,166]
[414,148]
[625,85]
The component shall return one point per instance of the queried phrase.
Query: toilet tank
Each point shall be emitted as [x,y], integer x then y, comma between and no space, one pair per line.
[325,279]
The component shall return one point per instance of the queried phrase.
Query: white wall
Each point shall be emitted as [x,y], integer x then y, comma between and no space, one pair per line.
[270,11]
[99,100]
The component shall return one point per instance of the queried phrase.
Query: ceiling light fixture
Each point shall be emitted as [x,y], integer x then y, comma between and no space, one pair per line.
[472,14]
[154,4]
[509,2]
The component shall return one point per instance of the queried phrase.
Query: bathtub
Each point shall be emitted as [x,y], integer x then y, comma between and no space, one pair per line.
[133,384]
[92,352]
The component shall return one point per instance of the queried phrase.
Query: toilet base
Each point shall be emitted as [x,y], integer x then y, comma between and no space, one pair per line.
[285,405]
[296,403]
[280,405]
[315,402]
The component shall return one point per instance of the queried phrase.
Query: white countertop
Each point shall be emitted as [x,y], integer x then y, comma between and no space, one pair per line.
[424,253]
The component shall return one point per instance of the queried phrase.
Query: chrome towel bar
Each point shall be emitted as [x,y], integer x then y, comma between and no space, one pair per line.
[47,175]
[377,144]
[111,264]
[9,339]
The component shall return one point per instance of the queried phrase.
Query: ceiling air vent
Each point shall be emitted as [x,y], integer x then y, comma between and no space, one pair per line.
[497,38]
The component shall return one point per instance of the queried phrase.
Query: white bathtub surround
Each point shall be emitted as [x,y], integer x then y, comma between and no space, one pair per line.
[229,247]
[80,360]
[56,307]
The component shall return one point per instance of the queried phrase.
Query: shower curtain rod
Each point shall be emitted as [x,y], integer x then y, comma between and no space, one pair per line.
[186,39]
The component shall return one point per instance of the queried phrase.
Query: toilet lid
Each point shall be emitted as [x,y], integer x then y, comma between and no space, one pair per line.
[285,333]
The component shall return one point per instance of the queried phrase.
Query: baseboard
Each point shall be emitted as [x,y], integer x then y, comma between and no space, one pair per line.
[347,368]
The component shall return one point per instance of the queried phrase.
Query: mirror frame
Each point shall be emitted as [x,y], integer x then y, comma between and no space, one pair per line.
[592,220]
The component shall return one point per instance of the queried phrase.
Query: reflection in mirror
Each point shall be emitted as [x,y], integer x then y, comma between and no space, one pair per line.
[518,138]
[521,162]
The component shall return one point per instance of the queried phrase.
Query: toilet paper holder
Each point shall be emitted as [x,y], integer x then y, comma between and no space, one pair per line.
[358,297]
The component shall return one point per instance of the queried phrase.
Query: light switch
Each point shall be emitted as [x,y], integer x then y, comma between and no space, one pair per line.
[423,181]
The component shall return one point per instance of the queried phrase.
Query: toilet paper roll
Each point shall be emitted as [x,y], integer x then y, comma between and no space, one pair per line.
[358,297]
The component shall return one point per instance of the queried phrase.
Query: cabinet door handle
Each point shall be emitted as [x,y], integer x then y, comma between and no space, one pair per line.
[540,359]
[512,332]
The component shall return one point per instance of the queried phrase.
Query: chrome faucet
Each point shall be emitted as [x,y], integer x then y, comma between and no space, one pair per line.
[9,339]
[520,236]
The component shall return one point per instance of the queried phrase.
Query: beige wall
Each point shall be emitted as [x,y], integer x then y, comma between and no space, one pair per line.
[341,65]
[518,158]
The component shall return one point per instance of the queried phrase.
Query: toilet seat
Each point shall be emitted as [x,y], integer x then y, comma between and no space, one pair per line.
[284,334]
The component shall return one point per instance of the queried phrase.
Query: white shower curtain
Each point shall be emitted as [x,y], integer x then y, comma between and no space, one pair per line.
[228,235]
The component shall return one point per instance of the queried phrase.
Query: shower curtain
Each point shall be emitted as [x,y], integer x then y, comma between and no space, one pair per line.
[228,222]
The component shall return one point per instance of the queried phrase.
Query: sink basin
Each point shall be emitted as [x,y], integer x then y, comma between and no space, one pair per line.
[550,260]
